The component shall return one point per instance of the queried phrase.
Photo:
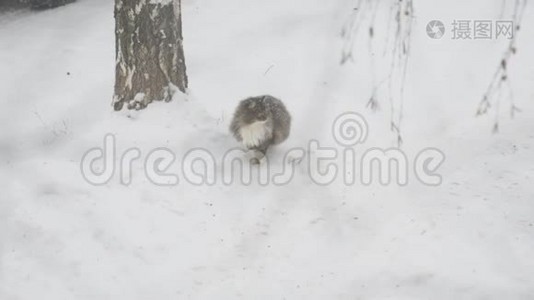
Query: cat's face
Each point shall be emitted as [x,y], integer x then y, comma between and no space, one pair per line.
[254,111]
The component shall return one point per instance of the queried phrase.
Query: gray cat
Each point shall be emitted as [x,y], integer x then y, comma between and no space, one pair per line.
[260,122]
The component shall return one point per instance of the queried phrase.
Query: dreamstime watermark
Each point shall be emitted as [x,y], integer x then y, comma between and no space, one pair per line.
[472,29]
[324,165]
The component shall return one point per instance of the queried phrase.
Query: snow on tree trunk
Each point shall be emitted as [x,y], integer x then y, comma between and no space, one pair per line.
[150,62]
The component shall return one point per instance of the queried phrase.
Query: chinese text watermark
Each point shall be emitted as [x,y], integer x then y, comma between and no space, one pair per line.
[472,29]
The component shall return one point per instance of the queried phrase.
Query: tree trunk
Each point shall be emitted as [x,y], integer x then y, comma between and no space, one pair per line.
[150,62]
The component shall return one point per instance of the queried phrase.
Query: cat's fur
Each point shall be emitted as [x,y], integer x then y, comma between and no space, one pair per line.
[260,122]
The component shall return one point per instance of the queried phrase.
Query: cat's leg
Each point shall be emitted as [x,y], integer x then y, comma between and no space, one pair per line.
[259,152]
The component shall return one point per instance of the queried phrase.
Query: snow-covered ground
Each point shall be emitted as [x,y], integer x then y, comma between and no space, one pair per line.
[472,237]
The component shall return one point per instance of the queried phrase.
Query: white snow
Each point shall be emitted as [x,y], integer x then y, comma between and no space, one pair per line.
[62,238]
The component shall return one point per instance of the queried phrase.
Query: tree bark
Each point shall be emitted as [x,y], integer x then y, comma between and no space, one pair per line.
[150,62]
